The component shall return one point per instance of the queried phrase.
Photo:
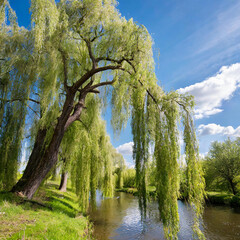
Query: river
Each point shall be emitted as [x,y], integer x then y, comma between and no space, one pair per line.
[119,219]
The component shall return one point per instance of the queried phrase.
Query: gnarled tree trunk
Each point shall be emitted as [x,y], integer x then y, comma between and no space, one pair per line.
[43,158]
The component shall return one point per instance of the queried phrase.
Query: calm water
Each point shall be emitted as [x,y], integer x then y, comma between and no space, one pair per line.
[120,219]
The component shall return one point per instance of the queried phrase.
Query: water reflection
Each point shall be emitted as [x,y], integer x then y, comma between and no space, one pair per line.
[221,223]
[119,218]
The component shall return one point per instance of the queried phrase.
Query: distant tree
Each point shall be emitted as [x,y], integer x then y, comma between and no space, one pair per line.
[129,178]
[119,167]
[222,165]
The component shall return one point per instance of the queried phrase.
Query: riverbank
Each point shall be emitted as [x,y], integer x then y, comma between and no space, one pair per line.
[151,191]
[217,198]
[51,214]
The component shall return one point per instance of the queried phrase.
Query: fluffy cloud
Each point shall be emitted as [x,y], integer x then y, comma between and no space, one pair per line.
[125,148]
[213,129]
[210,94]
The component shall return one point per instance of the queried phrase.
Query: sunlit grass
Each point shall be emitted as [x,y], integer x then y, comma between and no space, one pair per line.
[21,219]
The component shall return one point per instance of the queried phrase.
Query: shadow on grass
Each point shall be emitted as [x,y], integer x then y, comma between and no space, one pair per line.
[52,185]
[59,195]
[48,197]
[63,206]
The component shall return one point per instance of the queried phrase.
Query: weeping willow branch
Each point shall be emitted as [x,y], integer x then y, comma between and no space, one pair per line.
[90,73]
[37,114]
[20,100]
[65,69]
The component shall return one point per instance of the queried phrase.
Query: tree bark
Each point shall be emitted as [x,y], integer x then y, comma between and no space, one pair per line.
[63,184]
[43,158]
[232,186]
[34,159]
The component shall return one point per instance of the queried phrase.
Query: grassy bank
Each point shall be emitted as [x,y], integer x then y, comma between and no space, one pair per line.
[151,191]
[50,215]
[222,198]
[217,198]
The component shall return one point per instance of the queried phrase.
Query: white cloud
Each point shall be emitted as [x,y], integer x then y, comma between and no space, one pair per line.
[130,165]
[126,148]
[213,129]
[210,94]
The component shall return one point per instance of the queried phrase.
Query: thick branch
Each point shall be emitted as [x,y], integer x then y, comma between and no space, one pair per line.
[101,84]
[94,91]
[76,113]
[120,61]
[90,73]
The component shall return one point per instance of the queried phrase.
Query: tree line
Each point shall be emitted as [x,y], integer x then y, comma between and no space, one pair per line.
[222,166]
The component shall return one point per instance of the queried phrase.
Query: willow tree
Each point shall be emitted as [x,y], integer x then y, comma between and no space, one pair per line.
[119,167]
[74,48]
[90,159]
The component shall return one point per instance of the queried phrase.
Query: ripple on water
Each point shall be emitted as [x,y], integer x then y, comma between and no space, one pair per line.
[120,219]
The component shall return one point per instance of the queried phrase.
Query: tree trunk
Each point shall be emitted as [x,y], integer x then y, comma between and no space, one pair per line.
[42,158]
[232,187]
[34,160]
[63,184]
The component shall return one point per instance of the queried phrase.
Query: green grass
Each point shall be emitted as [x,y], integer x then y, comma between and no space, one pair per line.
[151,191]
[21,219]
[218,198]
[223,198]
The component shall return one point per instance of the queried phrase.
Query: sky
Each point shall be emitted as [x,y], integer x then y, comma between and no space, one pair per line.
[199,45]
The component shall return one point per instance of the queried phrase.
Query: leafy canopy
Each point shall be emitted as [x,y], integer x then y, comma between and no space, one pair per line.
[222,165]
[73,48]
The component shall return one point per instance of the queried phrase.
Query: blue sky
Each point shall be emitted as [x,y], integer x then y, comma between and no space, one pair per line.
[199,45]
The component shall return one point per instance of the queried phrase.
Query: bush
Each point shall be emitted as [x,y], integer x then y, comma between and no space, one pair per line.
[235,201]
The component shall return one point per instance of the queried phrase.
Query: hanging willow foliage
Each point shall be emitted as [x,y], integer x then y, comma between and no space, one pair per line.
[163,120]
[195,180]
[155,122]
[166,155]
[87,150]
[83,173]
[58,65]
[14,86]
[140,152]
[12,131]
